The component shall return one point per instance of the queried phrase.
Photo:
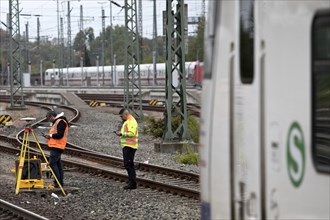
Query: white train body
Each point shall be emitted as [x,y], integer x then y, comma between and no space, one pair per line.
[265,122]
[87,76]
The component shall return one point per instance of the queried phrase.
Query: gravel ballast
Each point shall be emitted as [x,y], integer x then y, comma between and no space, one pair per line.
[99,198]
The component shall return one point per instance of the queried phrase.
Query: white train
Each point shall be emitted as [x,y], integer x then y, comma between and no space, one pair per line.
[87,76]
[265,122]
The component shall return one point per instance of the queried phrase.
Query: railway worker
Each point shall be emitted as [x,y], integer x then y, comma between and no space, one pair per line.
[129,142]
[57,139]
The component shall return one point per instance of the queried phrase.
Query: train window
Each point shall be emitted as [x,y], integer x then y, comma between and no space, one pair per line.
[246,41]
[209,40]
[321,91]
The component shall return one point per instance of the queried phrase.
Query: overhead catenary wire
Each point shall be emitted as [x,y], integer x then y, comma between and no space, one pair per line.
[48,11]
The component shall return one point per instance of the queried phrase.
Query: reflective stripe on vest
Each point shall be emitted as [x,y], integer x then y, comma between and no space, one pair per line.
[58,143]
[130,133]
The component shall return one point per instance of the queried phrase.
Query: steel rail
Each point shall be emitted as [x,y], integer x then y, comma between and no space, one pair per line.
[11,211]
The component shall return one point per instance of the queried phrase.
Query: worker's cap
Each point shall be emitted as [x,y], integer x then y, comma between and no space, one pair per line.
[51,113]
[123,110]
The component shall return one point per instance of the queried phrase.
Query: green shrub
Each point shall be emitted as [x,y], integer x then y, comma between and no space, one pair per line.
[193,126]
[155,127]
[189,156]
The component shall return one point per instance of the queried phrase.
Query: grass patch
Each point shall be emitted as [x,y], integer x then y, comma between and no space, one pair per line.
[156,127]
[189,157]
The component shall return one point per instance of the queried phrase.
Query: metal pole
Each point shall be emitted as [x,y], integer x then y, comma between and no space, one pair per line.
[103,33]
[58,43]
[154,54]
[61,53]
[67,74]
[175,64]
[53,72]
[111,46]
[29,67]
[38,33]
[69,35]
[8,74]
[132,79]
[115,69]
[1,70]
[97,65]
[29,71]
[27,47]
[40,68]
[82,70]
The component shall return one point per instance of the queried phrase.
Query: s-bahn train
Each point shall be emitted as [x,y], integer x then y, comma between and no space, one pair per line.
[265,122]
[87,76]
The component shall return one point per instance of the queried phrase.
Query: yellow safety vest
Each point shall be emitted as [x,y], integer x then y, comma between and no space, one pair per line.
[129,131]
[58,143]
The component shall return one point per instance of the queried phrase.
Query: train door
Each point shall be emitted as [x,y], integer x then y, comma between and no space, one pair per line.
[232,166]
[52,78]
[246,156]
[214,137]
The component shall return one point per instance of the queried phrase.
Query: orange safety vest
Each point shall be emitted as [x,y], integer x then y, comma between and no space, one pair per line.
[129,131]
[58,143]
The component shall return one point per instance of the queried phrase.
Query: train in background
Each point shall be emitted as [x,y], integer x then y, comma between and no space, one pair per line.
[93,76]
[198,74]
[265,122]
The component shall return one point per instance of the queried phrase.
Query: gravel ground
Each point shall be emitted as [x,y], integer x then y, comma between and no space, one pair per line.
[99,198]
[95,132]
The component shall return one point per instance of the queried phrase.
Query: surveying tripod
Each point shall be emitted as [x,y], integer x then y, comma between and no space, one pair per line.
[25,148]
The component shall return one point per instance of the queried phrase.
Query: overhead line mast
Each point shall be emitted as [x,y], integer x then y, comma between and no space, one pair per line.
[132,88]
[16,87]
[175,67]
[69,36]
[154,53]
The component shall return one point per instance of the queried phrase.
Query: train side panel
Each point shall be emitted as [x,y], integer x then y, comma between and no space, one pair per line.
[87,76]
[265,144]
[215,121]
[294,188]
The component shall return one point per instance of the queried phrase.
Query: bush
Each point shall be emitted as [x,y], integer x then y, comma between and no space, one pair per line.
[156,127]
[153,127]
[193,127]
[190,157]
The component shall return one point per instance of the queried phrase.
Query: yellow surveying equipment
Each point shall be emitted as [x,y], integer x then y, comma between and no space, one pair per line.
[28,171]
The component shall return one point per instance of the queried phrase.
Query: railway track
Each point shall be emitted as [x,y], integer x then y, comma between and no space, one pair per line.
[11,211]
[150,176]
[116,100]
[82,159]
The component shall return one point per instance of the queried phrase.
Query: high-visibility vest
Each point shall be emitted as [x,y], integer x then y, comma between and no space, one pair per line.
[58,143]
[129,131]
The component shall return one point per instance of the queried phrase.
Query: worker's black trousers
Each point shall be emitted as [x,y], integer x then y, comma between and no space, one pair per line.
[56,164]
[128,154]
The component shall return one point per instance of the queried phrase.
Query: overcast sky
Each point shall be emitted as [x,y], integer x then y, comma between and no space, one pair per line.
[47,9]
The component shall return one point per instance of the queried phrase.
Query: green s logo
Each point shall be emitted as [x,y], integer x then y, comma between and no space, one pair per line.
[295,154]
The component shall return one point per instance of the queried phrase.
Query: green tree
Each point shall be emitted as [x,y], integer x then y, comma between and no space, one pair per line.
[196,43]
[81,43]
[89,33]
